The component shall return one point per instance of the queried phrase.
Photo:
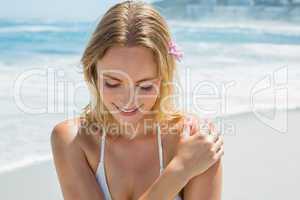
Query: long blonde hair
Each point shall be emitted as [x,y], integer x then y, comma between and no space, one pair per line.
[130,23]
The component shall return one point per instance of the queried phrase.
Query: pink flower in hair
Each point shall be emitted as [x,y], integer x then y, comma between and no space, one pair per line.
[173,50]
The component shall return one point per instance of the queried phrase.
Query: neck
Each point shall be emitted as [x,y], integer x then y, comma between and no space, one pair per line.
[141,129]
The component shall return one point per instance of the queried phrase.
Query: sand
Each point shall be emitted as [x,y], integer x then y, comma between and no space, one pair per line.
[33,182]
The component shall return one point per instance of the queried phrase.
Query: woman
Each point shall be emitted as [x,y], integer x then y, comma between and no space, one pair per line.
[129,142]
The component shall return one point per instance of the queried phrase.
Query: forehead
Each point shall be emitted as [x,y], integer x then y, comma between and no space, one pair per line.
[136,62]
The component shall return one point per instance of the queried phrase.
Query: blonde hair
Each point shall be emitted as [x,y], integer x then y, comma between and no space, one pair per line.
[130,23]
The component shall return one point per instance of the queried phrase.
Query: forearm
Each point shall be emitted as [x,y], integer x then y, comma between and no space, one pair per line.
[168,184]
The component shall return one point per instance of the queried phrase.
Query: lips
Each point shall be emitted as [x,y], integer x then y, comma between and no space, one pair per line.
[127,110]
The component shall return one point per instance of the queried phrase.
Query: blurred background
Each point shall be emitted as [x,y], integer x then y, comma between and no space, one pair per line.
[246,54]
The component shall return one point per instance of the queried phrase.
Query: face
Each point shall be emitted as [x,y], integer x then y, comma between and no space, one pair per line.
[128,83]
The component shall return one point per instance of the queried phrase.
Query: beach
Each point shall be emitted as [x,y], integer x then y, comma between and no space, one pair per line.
[243,71]
[37,181]
[259,163]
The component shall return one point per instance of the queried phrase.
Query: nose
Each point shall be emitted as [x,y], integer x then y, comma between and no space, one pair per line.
[128,99]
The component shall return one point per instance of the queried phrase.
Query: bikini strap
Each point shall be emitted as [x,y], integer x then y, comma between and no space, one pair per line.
[102,145]
[160,149]
[160,146]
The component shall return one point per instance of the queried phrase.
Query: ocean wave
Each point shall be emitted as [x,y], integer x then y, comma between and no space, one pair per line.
[242,55]
[247,26]
[27,161]
[36,28]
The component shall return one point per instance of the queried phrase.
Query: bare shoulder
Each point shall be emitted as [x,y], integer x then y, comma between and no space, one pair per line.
[211,180]
[70,133]
[72,137]
[64,143]
[64,132]
[172,132]
[175,128]
[61,131]
[70,157]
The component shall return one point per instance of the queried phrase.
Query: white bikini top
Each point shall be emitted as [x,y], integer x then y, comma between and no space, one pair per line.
[101,175]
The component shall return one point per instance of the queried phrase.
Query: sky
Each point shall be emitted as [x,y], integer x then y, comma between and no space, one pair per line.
[54,9]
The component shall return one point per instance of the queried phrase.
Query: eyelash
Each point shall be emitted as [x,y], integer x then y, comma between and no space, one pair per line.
[110,85]
[148,88]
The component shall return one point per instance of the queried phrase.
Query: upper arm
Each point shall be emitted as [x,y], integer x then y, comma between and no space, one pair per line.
[208,185]
[76,178]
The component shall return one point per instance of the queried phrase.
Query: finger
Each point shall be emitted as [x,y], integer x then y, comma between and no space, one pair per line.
[220,152]
[204,127]
[186,131]
[211,126]
[199,135]
[193,122]
[187,123]
[219,142]
[187,120]
[213,136]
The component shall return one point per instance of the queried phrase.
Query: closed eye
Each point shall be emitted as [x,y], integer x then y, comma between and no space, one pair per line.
[111,85]
[146,88]
[143,87]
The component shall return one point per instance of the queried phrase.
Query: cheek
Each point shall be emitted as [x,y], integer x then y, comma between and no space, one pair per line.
[108,96]
[148,99]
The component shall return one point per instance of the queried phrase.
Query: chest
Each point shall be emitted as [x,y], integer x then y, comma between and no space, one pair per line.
[128,182]
[130,173]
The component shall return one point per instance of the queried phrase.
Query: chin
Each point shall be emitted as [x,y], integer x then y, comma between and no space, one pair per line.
[128,119]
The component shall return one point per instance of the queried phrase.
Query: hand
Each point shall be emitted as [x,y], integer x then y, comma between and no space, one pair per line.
[199,151]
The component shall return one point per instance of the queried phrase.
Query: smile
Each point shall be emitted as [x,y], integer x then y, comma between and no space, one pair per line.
[127,111]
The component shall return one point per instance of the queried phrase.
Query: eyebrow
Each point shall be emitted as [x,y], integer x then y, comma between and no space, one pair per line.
[144,79]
